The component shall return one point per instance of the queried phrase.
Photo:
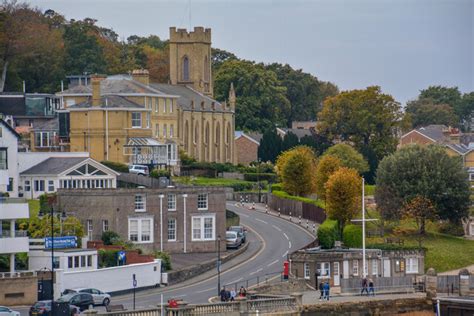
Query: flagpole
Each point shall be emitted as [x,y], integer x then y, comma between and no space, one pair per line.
[363,228]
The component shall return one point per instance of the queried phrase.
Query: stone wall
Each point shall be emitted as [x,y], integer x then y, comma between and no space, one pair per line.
[411,306]
[283,288]
[18,291]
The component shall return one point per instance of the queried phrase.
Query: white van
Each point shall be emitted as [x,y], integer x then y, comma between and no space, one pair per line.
[139,169]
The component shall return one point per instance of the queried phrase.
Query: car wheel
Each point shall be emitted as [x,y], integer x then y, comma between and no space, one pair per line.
[106,301]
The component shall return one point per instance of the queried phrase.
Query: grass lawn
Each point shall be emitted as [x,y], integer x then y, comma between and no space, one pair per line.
[34,206]
[443,252]
[284,195]
[369,189]
[237,185]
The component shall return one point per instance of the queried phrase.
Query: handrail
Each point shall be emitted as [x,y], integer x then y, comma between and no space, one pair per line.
[409,288]
[17,233]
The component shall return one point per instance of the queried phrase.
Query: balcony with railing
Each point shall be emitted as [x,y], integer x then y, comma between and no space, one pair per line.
[13,208]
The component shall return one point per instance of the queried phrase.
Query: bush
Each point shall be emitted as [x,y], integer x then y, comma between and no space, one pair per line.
[107,258]
[270,177]
[165,259]
[110,238]
[276,187]
[117,166]
[328,233]
[158,173]
[352,236]
[451,229]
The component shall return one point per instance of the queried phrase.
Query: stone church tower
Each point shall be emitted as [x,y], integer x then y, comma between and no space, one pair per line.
[190,59]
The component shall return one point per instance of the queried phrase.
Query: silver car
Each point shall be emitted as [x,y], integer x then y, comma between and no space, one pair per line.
[5,311]
[99,297]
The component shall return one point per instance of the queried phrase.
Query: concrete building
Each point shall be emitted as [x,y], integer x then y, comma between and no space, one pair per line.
[128,119]
[75,259]
[246,147]
[176,220]
[8,159]
[336,264]
[66,172]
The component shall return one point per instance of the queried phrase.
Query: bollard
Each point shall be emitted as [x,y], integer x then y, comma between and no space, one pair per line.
[307,224]
[278,212]
[300,220]
[290,216]
[266,209]
[314,227]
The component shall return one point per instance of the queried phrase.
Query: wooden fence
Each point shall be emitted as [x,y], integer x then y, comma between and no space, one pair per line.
[297,208]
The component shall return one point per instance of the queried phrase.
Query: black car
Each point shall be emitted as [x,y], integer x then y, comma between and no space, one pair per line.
[44,308]
[81,300]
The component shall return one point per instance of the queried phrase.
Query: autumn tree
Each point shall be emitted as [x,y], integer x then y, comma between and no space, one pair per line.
[327,165]
[349,157]
[296,169]
[421,210]
[366,118]
[423,171]
[343,195]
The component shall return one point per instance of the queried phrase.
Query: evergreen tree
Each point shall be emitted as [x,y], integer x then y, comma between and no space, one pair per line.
[289,141]
[270,146]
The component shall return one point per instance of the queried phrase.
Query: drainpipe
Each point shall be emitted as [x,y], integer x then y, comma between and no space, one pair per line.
[161,196]
[184,221]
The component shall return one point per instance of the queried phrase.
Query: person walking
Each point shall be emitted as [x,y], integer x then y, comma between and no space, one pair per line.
[364,286]
[371,287]
[222,294]
[232,295]
[326,288]
[321,290]
[242,292]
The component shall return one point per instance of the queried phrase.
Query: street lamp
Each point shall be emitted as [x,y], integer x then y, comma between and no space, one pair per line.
[62,216]
[218,264]
[258,179]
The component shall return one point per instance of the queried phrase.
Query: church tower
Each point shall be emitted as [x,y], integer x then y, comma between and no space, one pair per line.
[190,59]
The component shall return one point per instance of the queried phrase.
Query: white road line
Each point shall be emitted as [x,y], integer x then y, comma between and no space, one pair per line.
[258,219]
[277,228]
[207,290]
[272,263]
[289,244]
[286,236]
[285,254]
[239,279]
[252,273]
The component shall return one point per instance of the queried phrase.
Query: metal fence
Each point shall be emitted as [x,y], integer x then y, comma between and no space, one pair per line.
[448,283]
[385,285]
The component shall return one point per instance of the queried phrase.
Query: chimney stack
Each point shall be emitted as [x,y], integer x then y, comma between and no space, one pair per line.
[142,76]
[95,81]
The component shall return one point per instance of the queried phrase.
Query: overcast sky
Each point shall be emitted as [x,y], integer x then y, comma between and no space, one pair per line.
[401,45]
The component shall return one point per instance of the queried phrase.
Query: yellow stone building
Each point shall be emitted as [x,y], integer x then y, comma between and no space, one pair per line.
[128,119]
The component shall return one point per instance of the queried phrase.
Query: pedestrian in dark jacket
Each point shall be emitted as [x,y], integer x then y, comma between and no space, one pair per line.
[371,287]
[321,290]
[364,286]
[326,288]
[222,294]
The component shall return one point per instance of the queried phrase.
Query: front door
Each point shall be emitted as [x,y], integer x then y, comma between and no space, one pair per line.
[345,269]
[386,268]
[336,274]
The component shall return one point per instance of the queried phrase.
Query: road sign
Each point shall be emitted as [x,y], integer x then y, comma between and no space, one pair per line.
[121,256]
[60,242]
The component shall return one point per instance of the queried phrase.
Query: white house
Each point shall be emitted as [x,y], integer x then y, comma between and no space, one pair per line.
[66,173]
[8,159]
[75,259]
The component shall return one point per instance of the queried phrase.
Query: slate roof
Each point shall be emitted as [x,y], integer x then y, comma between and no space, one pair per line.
[113,101]
[12,104]
[187,94]
[460,148]
[257,137]
[114,85]
[300,133]
[47,125]
[6,125]
[434,132]
[54,165]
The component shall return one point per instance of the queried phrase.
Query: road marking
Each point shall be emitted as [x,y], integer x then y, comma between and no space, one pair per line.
[289,244]
[277,228]
[260,220]
[285,254]
[272,263]
[252,273]
[286,236]
[239,279]
[207,290]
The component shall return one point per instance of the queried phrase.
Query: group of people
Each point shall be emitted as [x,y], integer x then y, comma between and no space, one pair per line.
[324,288]
[229,296]
[367,286]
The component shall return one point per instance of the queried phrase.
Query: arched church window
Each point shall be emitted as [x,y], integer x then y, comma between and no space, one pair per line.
[185,68]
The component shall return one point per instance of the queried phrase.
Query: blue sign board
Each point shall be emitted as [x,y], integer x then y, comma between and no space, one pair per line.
[61,242]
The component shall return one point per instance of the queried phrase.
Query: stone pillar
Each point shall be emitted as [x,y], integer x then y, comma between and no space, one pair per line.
[12,262]
[464,276]
[299,299]
[243,308]
[431,283]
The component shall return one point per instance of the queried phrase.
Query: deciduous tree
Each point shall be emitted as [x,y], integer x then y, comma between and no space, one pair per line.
[296,169]
[421,210]
[327,165]
[349,157]
[425,112]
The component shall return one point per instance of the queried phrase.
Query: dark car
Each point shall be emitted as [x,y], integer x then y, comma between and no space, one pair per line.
[44,308]
[239,230]
[81,300]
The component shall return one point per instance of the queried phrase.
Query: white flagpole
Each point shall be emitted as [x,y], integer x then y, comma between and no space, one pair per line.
[363,228]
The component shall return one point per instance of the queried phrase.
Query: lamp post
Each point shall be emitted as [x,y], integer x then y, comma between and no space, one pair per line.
[258,179]
[218,264]
[61,217]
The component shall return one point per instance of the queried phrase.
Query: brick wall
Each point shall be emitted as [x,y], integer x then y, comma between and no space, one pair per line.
[247,150]
[414,138]
[18,291]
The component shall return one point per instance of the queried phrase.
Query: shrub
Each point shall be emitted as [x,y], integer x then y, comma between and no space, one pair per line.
[107,258]
[241,186]
[270,177]
[117,166]
[110,238]
[328,233]
[352,236]
[276,187]
[158,173]
[165,259]
[451,229]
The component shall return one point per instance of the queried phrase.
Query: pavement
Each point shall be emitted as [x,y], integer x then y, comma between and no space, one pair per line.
[312,297]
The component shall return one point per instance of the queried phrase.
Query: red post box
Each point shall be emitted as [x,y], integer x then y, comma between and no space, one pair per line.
[286,268]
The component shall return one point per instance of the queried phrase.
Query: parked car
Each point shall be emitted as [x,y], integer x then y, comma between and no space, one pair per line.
[81,300]
[100,298]
[232,239]
[44,308]
[241,231]
[139,169]
[5,311]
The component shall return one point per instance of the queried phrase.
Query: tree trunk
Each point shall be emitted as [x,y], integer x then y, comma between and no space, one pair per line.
[4,75]
[422,226]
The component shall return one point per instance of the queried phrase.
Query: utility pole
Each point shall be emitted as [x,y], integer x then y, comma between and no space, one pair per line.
[218,264]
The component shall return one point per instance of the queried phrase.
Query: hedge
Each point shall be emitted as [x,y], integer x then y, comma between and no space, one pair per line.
[270,177]
[328,233]
[352,236]
[117,166]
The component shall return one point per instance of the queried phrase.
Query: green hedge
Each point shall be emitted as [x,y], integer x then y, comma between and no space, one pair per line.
[284,195]
[165,259]
[117,166]
[352,236]
[328,233]
[158,173]
[270,177]
[277,187]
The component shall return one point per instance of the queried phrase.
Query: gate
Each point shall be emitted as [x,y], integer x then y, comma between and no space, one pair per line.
[448,283]
[44,289]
